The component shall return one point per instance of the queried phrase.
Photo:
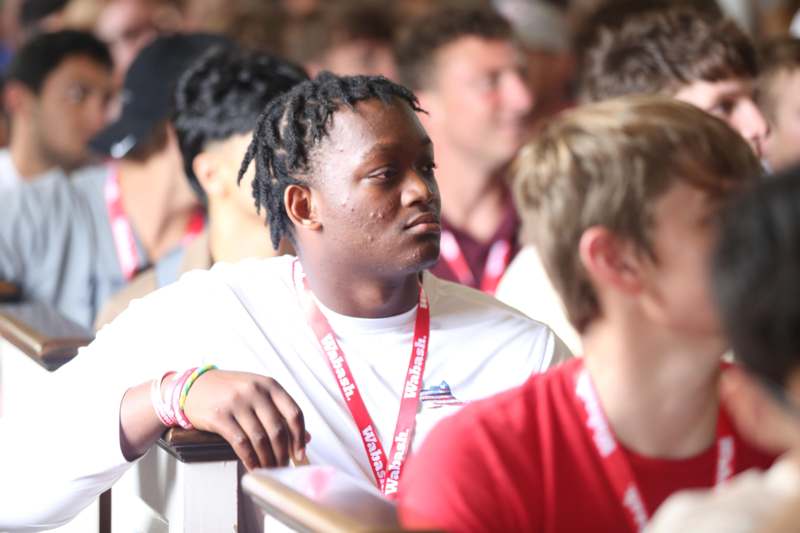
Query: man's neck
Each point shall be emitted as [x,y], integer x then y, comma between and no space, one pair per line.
[26,157]
[234,235]
[659,394]
[474,200]
[155,202]
[356,293]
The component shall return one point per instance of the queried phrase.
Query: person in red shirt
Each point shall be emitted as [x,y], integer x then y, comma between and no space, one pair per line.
[620,198]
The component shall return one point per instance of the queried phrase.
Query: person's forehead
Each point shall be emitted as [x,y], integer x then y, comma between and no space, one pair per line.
[371,119]
[83,68]
[472,53]
[118,17]
[370,128]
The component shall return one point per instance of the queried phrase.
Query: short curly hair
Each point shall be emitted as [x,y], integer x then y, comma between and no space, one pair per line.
[418,43]
[661,50]
[293,124]
[221,95]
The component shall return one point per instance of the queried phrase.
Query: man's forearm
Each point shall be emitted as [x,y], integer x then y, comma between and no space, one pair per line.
[139,427]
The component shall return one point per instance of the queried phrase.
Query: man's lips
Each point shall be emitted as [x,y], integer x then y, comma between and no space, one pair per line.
[424,223]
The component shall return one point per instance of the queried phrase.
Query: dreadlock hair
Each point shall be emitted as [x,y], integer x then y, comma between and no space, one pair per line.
[293,125]
[221,95]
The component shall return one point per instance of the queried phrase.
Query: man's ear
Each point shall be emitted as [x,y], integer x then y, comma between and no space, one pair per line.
[609,260]
[16,97]
[204,166]
[301,208]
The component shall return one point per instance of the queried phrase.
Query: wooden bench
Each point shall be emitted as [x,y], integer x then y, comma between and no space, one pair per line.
[9,292]
[189,482]
[320,498]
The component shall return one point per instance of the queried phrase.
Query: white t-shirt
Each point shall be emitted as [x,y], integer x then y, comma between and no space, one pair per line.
[9,177]
[527,287]
[247,317]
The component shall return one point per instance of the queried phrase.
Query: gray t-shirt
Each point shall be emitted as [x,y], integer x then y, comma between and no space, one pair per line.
[56,242]
[9,176]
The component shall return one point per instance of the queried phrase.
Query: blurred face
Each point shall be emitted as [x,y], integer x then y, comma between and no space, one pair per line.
[676,292]
[374,190]
[361,57]
[732,101]
[126,26]
[70,110]
[478,100]
[782,146]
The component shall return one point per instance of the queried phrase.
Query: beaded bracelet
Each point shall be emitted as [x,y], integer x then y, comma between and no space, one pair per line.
[170,410]
[177,387]
[190,381]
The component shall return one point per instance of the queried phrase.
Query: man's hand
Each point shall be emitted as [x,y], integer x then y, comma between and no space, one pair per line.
[253,413]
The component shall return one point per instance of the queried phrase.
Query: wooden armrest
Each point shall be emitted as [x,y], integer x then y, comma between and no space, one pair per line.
[9,292]
[320,498]
[194,446]
[42,333]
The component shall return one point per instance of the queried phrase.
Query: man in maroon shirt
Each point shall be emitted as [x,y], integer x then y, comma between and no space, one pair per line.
[620,198]
[466,72]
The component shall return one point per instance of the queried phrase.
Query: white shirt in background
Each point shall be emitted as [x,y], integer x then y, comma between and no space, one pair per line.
[247,317]
[9,177]
[527,287]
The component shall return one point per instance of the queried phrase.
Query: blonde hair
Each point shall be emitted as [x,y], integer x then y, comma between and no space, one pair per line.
[607,164]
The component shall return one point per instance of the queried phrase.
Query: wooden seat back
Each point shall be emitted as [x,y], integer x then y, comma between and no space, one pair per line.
[320,498]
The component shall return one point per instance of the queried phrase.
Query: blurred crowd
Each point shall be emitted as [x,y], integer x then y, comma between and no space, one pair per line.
[550,158]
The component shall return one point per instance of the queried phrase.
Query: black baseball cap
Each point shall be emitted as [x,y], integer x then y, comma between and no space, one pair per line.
[147,93]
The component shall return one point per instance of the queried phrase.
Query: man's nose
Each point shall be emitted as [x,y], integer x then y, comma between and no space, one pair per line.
[752,125]
[419,188]
[518,95]
[96,112]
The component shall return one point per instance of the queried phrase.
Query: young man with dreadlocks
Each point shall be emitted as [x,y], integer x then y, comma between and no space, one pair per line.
[332,344]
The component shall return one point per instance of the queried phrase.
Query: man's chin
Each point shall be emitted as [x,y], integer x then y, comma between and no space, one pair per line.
[425,257]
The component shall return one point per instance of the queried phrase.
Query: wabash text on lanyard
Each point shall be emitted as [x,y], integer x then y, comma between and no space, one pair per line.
[616,466]
[124,240]
[386,469]
[496,262]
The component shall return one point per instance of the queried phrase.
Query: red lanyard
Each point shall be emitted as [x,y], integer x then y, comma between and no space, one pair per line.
[496,262]
[617,468]
[386,469]
[122,232]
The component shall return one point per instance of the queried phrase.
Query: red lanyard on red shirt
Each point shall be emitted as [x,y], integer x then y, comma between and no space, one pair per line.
[496,262]
[122,232]
[615,464]
[386,471]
